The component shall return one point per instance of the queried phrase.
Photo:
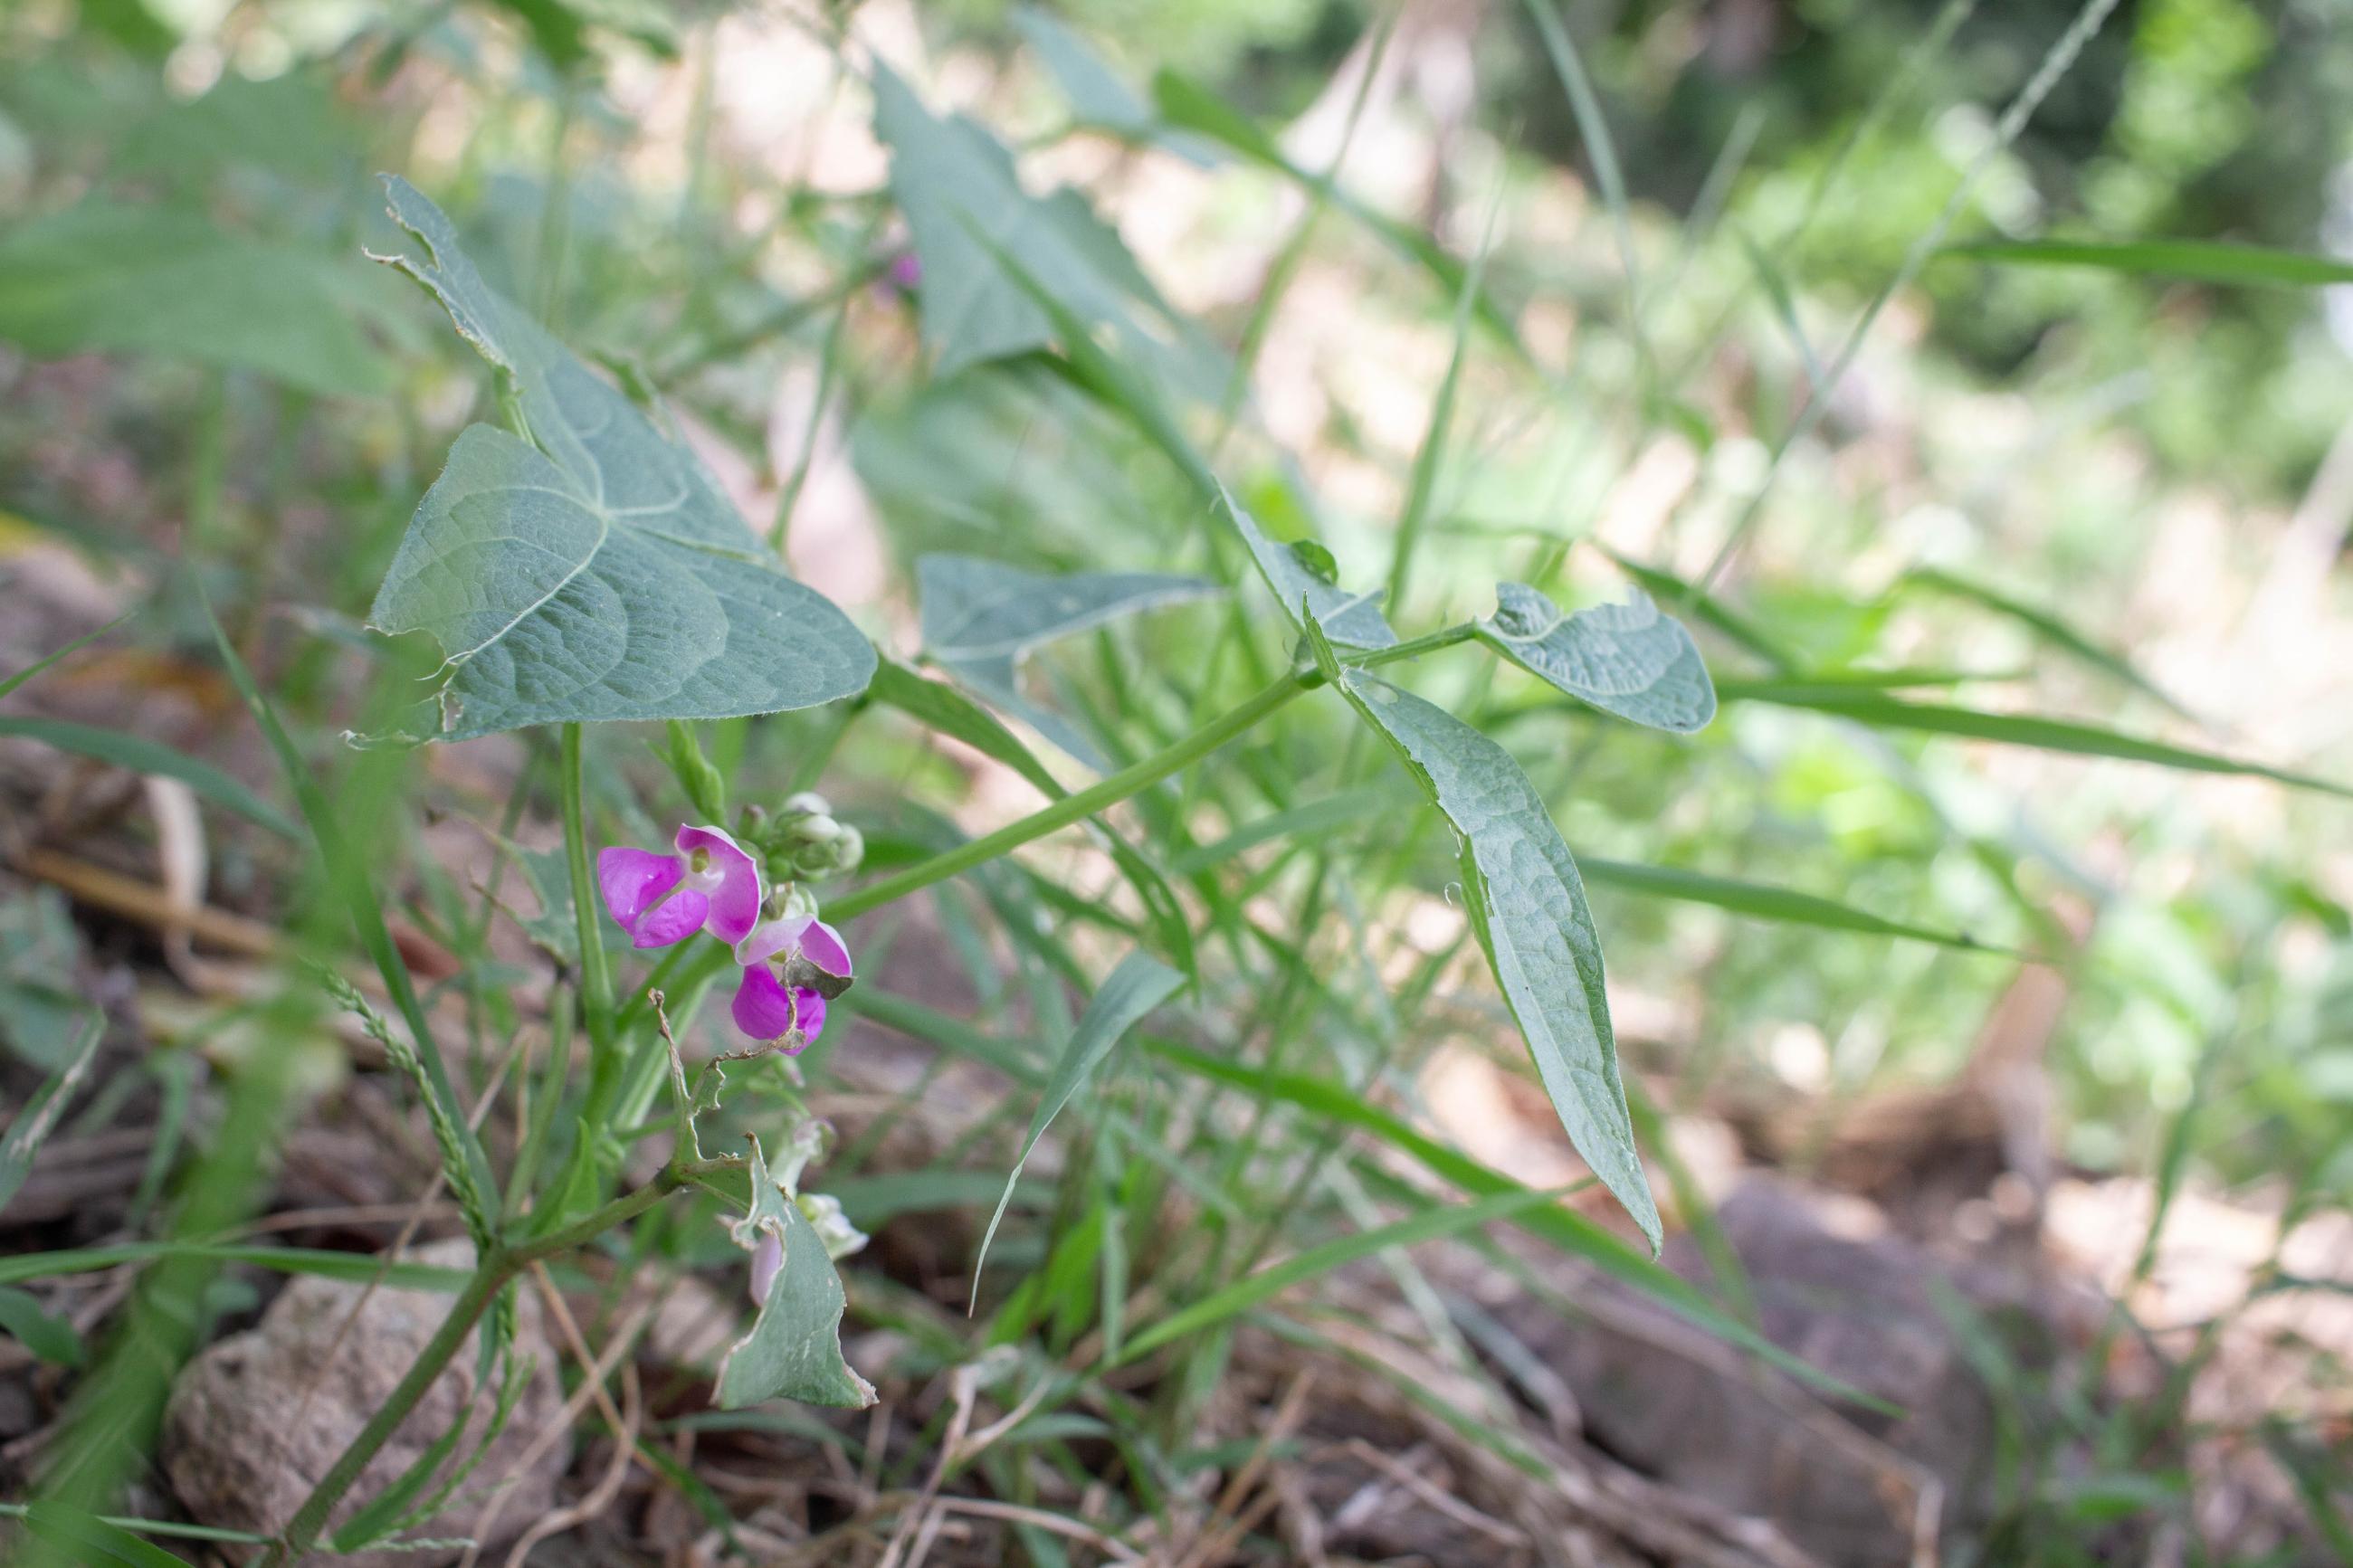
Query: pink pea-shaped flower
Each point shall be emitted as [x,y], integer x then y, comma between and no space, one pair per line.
[711,884]
[791,966]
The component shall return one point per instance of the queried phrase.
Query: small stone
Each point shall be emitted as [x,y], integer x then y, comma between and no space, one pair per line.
[257,1418]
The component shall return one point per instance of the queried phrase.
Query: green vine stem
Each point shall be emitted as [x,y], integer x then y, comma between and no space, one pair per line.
[491,1276]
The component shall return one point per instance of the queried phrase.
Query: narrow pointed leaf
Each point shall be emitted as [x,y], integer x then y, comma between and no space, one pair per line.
[595,572]
[1630,659]
[2043,624]
[1884,712]
[1558,1225]
[1098,97]
[1139,984]
[2198,261]
[1762,901]
[142,755]
[1527,904]
[1250,1290]
[93,1541]
[52,1339]
[34,1123]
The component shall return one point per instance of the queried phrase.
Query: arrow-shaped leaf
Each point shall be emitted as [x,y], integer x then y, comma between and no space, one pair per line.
[1527,904]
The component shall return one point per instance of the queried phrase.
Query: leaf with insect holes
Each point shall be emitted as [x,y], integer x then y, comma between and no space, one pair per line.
[1631,659]
[594,571]
[1527,906]
[1305,570]
[794,1350]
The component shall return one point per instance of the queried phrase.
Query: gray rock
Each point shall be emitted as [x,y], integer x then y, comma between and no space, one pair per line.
[258,1417]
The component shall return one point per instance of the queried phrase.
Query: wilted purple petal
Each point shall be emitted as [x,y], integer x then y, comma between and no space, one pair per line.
[632,880]
[770,938]
[764,1008]
[767,1262]
[822,945]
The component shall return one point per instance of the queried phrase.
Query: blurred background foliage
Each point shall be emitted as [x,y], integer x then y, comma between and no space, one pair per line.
[2146,461]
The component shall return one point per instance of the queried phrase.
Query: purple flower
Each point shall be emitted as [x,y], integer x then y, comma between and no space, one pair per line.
[906,270]
[711,884]
[792,965]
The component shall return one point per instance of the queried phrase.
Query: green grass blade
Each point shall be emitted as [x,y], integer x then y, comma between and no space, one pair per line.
[2044,625]
[356,1267]
[1593,128]
[1762,901]
[2072,736]
[90,1540]
[142,755]
[1140,983]
[1267,1283]
[33,1124]
[2191,260]
[348,876]
[1423,487]
[30,670]
[1563,1228]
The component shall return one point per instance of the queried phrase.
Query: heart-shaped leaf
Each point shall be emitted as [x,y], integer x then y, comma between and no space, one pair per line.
[594,571]
[1528,905]
[1631,659]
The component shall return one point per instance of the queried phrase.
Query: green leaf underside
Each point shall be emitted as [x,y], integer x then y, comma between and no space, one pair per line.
[107,278]
[1528,905]
[600,574]
[793,1349]
[975,610]
[1137,986]
[142,755]
[1297,572]
[1630,658]
[962,198]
